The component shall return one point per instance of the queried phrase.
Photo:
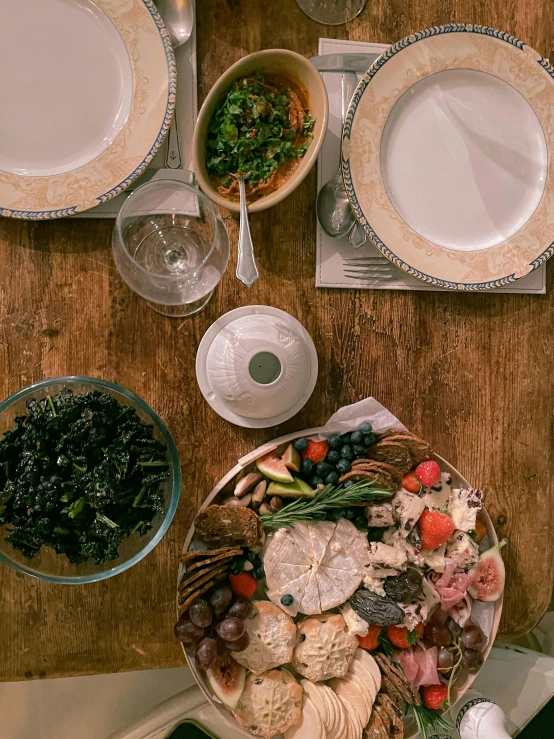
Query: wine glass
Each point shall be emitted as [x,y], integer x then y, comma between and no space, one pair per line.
[332,12]
[170,246]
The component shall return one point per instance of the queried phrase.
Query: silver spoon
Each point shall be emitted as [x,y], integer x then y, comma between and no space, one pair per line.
[333,209]
[178,16]
[247,272]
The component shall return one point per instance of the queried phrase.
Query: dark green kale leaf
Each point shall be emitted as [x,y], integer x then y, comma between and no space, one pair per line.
[80,474]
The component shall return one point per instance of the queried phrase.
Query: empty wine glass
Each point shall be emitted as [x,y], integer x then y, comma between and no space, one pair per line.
[170,246]
[332,12]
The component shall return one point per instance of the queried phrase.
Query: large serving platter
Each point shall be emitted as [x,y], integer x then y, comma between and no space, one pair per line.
[222,489]
[448,156]
[88,91]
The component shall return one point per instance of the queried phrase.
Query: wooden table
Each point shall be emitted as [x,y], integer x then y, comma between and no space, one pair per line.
[472,373]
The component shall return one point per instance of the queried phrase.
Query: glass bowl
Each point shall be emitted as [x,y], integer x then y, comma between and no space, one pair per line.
[56,568]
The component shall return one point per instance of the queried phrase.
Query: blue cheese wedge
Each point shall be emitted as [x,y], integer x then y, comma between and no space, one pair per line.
[379,516]
[419,609]
[463,507]
[354,623]
[407,508]
[387,556]
[462,550]
[395,538]
[438,495]
[435,559]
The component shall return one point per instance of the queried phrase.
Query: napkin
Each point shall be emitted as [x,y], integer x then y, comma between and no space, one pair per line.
[330,252]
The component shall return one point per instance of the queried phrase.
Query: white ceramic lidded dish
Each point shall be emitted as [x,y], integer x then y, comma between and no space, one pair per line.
[256,366]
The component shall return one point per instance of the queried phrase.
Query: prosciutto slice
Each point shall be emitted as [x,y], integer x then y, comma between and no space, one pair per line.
[420,666]
[461,611]
[451,586]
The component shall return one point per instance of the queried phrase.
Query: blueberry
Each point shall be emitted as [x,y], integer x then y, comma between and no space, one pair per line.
[237,565]
[335,514]
[345,438]
[346,452]
[358,450]
[334,441]
[323,469]
[369,439]
[301,444]
[315,481]
[356,437]
[333,456]
[332,478]
[361,523]
[307,467]
[259,573]
[350,514]
[366,427]
[287,600]
[343,466]
[348,483]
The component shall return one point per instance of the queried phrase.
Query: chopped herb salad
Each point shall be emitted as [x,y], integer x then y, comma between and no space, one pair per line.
[260,130]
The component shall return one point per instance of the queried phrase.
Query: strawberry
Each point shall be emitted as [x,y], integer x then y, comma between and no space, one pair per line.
[402,637]
[435,528]
[243,584]
[434,695]
[428,473]
[411,483]
[316,451]
[480,531]
[371,640]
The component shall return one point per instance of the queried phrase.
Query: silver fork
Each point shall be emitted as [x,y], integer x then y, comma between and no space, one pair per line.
[368,268]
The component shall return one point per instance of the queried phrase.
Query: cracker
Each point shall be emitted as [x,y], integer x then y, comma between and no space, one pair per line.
[410,694]
[206,577]
[212,560]
[204,553]
[200,592]
[376,729]
[384,481]
[229,526]
[373,465]
[419,449]
[392,453]
[396,726]
[192,577]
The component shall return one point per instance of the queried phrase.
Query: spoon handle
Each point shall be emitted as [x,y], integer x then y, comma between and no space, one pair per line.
[247,271]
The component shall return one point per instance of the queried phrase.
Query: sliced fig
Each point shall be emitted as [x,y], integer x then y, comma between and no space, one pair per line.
[226,678]
[274,468]
[487,578]
[292,458]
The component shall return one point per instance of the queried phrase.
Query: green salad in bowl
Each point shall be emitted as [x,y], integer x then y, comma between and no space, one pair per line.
[89,479]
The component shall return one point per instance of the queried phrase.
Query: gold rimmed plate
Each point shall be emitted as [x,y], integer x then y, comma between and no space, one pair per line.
[448,156]
[85,105]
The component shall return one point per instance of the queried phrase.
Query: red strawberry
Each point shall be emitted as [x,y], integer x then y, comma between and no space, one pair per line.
[435,528]
[434,695]
[243,584]
[428,473]
[411,483]
[371,639]
[316,451]
[402,637]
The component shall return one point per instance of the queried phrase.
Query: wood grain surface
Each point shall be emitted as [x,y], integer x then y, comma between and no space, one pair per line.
[472,373]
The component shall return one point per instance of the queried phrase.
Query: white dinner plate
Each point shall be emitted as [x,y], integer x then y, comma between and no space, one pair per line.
[87,92]
[448,156]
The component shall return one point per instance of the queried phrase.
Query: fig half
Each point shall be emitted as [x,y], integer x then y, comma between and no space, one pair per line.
[487,578]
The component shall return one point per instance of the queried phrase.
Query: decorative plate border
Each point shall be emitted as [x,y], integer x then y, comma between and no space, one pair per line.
[346,165]
[40,215]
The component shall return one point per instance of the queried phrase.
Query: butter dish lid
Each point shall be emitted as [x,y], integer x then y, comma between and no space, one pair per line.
[256,366]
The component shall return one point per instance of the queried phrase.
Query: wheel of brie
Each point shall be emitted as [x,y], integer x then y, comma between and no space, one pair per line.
[319,564]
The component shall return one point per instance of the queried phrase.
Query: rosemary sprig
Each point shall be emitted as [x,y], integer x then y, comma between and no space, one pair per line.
[428,721]
[328,498]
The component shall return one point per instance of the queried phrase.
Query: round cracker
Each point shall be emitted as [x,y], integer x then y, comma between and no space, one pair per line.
[366,678]
[310,725]
[370,664]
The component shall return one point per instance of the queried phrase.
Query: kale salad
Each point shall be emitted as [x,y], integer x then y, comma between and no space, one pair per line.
[260,130]
[79,473]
